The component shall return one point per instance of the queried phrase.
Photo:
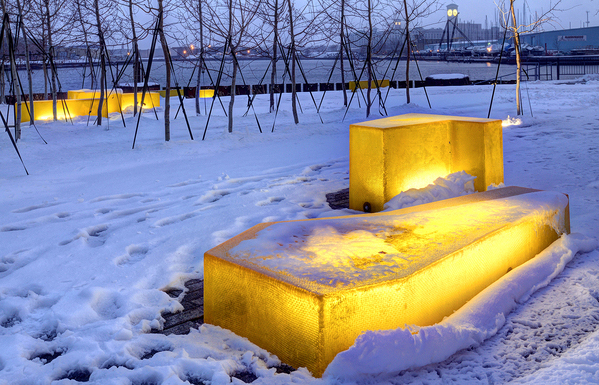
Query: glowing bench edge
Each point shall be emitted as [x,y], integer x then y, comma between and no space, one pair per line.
[307,328]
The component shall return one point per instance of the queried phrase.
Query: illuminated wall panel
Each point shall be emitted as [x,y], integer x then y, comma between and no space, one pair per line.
[151,100]
[304,290]
[391,155]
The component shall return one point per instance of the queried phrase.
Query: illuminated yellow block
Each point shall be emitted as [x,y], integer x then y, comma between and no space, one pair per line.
[391,155]
[111,103]
[203,93]
[374,84]
[206,93]
[304,290]
[65,109]
[152,100]
[79,106]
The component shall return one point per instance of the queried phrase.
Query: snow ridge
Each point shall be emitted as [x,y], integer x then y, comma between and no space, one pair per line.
[389,352]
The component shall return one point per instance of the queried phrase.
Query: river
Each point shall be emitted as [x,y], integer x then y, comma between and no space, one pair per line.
[316,71]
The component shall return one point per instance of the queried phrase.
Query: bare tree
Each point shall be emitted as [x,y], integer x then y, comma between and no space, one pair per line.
[231,25]
[49,27]
[414,11]
[304,26]
[272,14]
[167,65]
[371,30]
[21,26]
[510,22]
[192,15]
[336,25]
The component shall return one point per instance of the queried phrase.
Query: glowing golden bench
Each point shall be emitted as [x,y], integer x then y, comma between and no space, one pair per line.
[391,155]
[115,100]
[207,93]
[304,290]
[86,102]
[363,84]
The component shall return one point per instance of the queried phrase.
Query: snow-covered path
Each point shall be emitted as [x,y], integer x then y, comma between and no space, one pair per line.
[89,240]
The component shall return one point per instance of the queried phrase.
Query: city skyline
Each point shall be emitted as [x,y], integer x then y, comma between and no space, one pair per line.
[567,14]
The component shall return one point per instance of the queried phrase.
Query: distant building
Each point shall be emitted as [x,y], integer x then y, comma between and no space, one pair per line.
[564,40]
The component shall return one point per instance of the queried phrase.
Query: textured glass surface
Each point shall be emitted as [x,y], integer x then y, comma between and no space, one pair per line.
[348,252]
[394,154]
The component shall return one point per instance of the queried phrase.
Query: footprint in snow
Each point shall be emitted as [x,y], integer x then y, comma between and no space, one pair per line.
[116,197]
[134,254]
[212,196]
[94,236]
[269,201]
[35,207]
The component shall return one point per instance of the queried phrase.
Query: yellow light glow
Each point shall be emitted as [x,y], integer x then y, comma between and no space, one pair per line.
[449,12]
[373,84]
[191,46]
[455,12]
[391,155]
[206,93]
[327,280]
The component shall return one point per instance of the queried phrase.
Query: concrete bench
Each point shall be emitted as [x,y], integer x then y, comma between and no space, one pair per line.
[304,290]
[391,155]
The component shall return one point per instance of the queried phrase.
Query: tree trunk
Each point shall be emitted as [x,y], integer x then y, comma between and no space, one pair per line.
[2,82]
[409,51]
[233,90]
[102,82]
[201,62]
[369,60]
[135,58]
[167,96]
[45,71]
[51,58]
[518,63]
[232,49]
[273,60]
[103,53]
[199,84]
[16,89]
[29,76]
[341,47]
[292,57]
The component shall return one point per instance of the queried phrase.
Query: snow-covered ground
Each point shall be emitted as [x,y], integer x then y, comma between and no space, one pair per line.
[89,241]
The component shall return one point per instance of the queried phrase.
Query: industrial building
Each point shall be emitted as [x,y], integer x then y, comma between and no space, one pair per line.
[575,40]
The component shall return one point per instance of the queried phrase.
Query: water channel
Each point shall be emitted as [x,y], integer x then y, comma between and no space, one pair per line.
[253,71]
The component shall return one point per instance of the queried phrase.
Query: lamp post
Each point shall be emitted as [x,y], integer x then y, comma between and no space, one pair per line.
[397,33]
[452,19]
